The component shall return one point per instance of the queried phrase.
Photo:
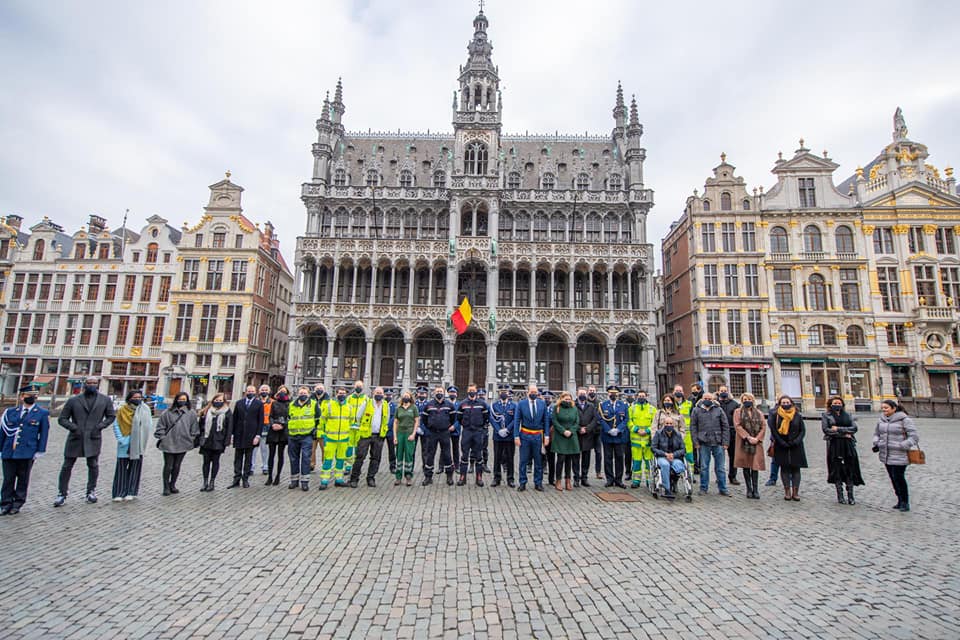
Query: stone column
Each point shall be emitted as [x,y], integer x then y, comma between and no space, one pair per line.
[407,364]
[294,373]
[590,289]
[570,289]
[328,364]
[315,294]
[630,289]
[447,362]
[571,368]
[513,285]
[368,365]
[611,369]
[491,366]
[550,288]
[336,283]
[430,299]
[298,282]
[531,374]
[393,285]
[411,282]
[650,364]
[356,276]
[609,289]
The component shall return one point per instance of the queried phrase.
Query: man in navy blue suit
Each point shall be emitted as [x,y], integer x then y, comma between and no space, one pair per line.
[530,436]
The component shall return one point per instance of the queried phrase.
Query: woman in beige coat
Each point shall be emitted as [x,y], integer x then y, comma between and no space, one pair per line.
[750,424]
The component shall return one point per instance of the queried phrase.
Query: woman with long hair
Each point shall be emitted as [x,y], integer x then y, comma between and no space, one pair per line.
[750,425]
[786,425]
[277,435]
[894,436]
[564,441]
[843,465]
[176,431]
[132,429]
[216,425]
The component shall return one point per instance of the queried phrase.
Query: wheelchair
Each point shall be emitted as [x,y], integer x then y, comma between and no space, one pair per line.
[680,483]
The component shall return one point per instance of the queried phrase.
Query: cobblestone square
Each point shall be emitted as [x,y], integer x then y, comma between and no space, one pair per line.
[468,562]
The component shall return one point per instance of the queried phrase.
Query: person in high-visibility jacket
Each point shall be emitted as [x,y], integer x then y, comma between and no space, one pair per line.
[336,435]
[303,420]
[640,416]
[359,404]
[684,407]
[374,424]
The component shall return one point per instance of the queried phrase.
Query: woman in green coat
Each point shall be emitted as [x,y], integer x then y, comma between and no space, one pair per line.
[564,441]
[406,422]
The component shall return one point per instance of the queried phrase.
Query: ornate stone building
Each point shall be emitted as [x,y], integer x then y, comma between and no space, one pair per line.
[230,305]
[545,235]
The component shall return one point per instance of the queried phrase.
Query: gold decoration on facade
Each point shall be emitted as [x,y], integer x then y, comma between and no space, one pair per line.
[203,220]
[932,169]
[874,171]
[246,228]
[929,229]
[869,229]
[136,352]
[905,155]
[949,172]
[901,229]
[859,172]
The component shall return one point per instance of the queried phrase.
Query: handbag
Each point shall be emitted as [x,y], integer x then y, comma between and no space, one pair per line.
[916,454]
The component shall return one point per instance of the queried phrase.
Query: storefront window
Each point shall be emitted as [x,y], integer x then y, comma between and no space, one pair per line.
[859,381]
[901,381]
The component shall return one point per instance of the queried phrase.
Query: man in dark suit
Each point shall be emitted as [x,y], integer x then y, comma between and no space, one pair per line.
[85,416]
[588,432]
[247,423]
[529,434]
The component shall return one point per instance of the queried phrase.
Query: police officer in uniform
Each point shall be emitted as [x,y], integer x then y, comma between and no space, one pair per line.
[452,393]
[482,394]
[614,435]
[437,417]
[474,417]
[24,430]
[502,415]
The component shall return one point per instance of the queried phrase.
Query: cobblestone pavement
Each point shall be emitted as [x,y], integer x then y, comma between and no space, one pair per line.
[468,562]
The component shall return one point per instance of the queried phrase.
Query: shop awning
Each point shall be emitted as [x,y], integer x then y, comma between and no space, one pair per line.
[799,359]
[899,362]
[942,368]
[737,365]
[230,377]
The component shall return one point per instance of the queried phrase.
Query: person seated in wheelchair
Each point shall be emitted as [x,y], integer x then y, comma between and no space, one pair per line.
[669,450]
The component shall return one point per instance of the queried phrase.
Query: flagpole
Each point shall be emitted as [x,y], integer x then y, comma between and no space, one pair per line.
[123,237]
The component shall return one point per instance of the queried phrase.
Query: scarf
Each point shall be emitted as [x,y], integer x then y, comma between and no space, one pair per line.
[752,421]
[216,416]
[786,417]
[140,427]
[125,418]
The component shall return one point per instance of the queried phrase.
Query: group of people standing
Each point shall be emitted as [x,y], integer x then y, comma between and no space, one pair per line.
[634,439]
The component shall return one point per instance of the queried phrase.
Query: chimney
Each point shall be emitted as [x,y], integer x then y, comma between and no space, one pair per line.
[97,224]
[14,221]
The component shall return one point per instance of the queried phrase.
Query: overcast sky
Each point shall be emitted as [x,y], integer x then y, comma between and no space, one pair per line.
[106,106]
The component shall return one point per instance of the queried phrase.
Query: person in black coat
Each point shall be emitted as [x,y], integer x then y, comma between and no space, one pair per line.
[729,405]
[786,425]
[588,434]
[216,430]
[277,435]
[247,423]
[85,416]
[843,464]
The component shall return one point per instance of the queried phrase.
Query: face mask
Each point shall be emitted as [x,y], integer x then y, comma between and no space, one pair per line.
[591,395]
[302,397]
[668,405]
[341,397]
[504,396]
[724,396]
[378,397]
[678,394]
[264,394]
[318,392]
[581,397]
[747,403]
[471,395]
[282,397]
[566,403]
[90,389]
[533,396]
[668,428]
[707,403]
[613,397]
[439,397]
[251,396]
[406,400]
[136,403]
[837,408]
[181,403]
[641,401]
[358,390]
[453,397]
[787,405]
[31,399]
[218,403]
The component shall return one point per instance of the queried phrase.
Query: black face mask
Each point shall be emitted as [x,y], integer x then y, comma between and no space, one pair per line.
[251,396]
[377,397]
[613,397]
[533,396]
[504,396]
[678,395]
[453,397]
[747,404]
[29,400]
[341,397]
[787,406]
[566,403]
[136,403]
[582,398]
[837,408]
[302,397]
[641,401]
[472,396]
[439,397]
[406,400]
[591,395]
[180,403]
[707,403]
[218,404]
[90,389]
[282,397]
[724,396]
[358,390]
[668,405]
[264,394]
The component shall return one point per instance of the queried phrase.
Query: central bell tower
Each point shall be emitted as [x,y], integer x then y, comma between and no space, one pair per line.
[477,108]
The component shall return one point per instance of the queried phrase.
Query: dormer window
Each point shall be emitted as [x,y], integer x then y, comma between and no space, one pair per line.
[807,192]
[583,182]
[706,205]
[103,250]
[548,181]
[616,182]
[406,178]
[439,180]
[475,159]
[340,178]
[38,250]
[513,180]
[726,202]
[373,178]
[81,251]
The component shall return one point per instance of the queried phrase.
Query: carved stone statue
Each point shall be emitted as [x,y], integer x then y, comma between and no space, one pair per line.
[899,126]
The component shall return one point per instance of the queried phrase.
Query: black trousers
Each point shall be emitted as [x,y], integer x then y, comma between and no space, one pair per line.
[431,442]
[486,448]
[455,447]
[472,442]
[126,477]
[731,451]
[372,445]
[552,470]
[211,464]
[898,478]
[598,451]
[503,459]
[391,453]
[242,459]
[275,448]
[171,468]
[628,462]
[93,472]
[568,466]
[16,478]
[613,457]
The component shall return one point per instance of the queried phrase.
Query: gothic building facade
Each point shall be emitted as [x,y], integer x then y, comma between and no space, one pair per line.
[544,235]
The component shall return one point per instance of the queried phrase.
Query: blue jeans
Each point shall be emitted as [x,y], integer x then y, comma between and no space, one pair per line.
[531,446]
[299,452]
[720,462]
[774,471]
[677,464]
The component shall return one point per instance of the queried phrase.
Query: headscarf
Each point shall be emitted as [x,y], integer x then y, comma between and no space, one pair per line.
[786,417]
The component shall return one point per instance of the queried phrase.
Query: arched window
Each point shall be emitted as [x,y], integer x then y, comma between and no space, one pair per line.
[428,224]
[326,220]
[726,201]
[152,250]
[855,337]
[746,204]
[779,243]
[373,178]
[548,181]
[594,225]
[576,228]
[817,293]
[393,224]
[812,243]
[626,228]
[358,223]
[706,205]
[523,226]
[540,226]
[376,223]
[406,178]
[505,232]
[439,179]
[610,227]
[38,248]
[475,158]
[477,96]
[340,178]
[513,180]
[443,224]
[822,335]
[844,238]
[340,222]
[558,227]
[583,182]
[410,224]
[615,183]
[788,336]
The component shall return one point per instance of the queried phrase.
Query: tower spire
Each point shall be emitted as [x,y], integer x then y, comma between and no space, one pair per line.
[325,114]
[634,118]
[619,109]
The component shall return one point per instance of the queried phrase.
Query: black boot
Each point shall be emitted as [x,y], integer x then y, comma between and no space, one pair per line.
[480,479]
[463,480]
[850,499]
[210,486]
[166,487]
[840,498]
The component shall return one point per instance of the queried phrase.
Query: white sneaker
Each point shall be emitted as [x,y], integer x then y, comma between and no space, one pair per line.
[129,498]
[118,499]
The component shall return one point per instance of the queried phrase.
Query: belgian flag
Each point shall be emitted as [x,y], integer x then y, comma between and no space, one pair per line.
[461,317]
